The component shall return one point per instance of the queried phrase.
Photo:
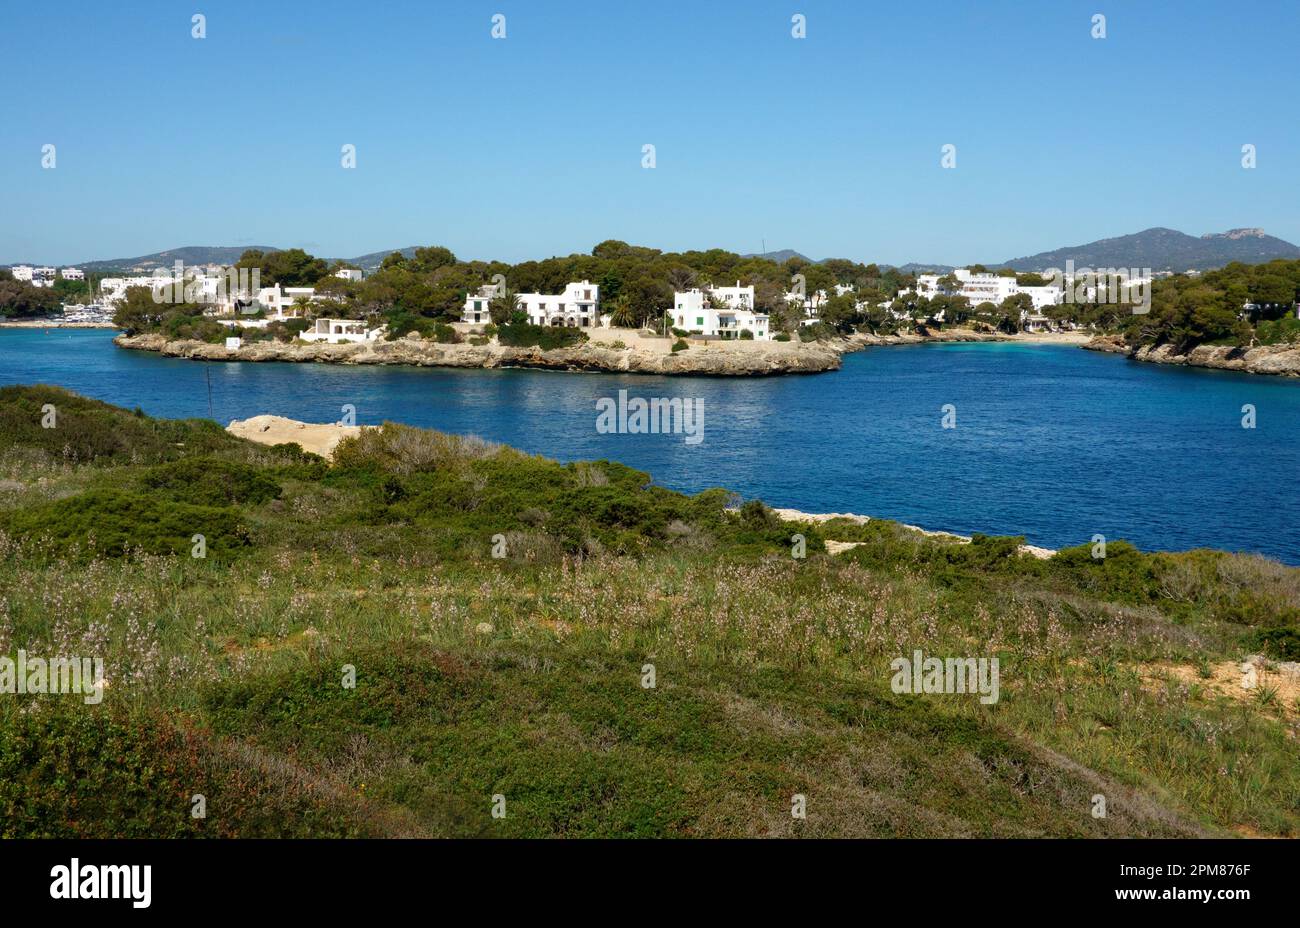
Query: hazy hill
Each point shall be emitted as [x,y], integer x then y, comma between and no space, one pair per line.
[1164,250]
[190,254]
[220,254]
[782,256]
[1158,248]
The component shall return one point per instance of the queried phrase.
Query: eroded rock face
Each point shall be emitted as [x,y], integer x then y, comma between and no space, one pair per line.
[1280,360]
[748,359]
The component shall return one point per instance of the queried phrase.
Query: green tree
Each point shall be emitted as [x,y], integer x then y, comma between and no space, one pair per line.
[503,307]
[21,300]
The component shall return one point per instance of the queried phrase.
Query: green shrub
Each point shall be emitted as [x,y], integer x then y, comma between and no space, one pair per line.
[680,345]
[210,482]
[546,337]
[88,431]
[75,771]
[119,521]
[1281,642]
[446,334]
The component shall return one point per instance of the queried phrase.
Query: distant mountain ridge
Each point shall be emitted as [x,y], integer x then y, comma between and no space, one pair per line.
[1158,248]
[1164,250]
[193,255]
[190,255]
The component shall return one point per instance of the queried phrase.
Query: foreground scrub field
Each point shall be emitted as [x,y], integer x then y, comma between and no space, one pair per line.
[350,658]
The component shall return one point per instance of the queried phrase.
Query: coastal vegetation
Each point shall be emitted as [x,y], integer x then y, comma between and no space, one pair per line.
[1238,305]
[1188,311]
[607,656]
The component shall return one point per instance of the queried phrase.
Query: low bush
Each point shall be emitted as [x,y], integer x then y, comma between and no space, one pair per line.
[546,337]
[87,431]
[210,482]
[114,522]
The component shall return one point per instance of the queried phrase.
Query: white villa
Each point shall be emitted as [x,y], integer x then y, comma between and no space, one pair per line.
[577,307]
[349,273]
[812,304]
[722,311]
[337,331]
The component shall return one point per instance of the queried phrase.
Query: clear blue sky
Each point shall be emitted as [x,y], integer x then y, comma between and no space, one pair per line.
[531,146]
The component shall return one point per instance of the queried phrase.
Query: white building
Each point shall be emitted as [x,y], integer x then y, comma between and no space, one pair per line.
[812,305]
[577,307]
[724,312]
[72,273]
[986,288]
[112,290]
[338,331]
[278,303]
[349,273]
[36,276]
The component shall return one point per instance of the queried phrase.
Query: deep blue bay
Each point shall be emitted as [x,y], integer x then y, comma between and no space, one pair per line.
[1052,442]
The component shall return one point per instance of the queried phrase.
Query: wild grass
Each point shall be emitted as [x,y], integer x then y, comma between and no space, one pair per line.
[522,675]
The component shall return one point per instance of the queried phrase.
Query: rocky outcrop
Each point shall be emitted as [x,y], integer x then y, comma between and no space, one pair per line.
[1280,360]
[720,359]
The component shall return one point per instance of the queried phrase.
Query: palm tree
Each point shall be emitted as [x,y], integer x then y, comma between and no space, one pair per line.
[502,307]
[621,314]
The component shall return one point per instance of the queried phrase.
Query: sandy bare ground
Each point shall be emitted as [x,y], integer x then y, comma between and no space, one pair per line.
[835,547]
[1228,679]
[277,430]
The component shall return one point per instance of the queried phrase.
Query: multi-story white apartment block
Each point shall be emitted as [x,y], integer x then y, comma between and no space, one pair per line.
[36,276]
[986,288]
[113,289]
[72,273]
[724,312]
[577,307]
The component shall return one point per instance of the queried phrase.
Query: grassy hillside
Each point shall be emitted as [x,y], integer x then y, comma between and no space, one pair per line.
[523,676]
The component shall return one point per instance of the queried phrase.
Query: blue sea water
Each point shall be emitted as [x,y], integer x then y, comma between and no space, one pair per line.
[1051,442]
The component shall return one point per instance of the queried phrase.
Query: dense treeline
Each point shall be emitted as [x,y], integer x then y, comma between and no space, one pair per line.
[635,282]
[426,291]
[22,300]
[1211,307]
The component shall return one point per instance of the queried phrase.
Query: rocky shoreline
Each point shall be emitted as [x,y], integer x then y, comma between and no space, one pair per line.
[753,359]
[1278,360]
[722,359]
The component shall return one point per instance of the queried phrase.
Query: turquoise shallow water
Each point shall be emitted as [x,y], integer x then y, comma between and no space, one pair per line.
[1053,443]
